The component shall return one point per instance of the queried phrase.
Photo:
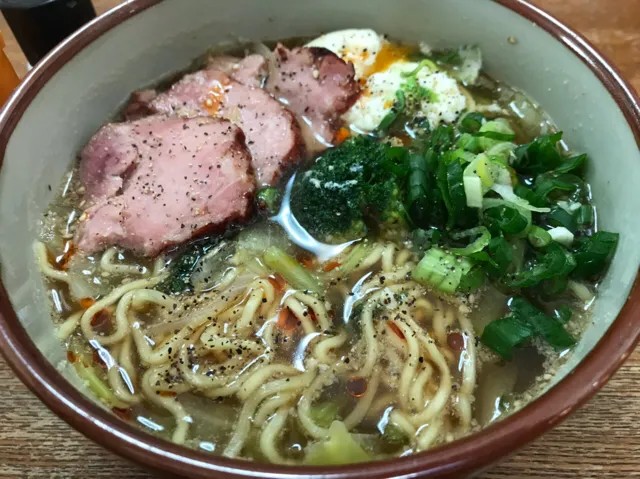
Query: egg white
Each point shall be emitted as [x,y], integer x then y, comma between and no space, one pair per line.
[358,46]
[378,97]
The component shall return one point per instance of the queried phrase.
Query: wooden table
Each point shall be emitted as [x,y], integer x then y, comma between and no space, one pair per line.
[601,440]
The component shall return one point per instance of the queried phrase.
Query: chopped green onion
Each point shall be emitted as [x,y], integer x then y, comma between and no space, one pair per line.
[560,217]
[555,261]
[473,191]
[563,314]
[507,219]
[392,116]
[471,122]
[441,270]
[494,132]
[424,239]
[477,245]
[472,280]
[355,257]
[424,63]
[594,253]
[96,385]
[269,199]
[295,274]
[523,324]
[538,237]
[584,215]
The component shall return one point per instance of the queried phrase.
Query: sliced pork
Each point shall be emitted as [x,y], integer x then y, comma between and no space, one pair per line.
[316,85]
[273,134]
[159,181]
[250,70]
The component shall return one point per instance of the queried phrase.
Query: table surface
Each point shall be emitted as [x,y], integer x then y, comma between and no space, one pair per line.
[600,440]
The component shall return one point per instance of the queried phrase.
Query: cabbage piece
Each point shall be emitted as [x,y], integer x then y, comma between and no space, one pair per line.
[339,448]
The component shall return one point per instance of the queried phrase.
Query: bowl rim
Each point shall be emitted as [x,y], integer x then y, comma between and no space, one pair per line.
[459,457]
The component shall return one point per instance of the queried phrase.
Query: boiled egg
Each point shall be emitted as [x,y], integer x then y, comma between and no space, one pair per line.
[358,46]
[379,66]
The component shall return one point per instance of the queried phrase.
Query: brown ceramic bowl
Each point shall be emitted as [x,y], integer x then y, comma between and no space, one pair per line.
[78,86]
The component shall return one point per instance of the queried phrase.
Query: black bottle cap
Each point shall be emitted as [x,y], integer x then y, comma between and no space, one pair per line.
[39,25]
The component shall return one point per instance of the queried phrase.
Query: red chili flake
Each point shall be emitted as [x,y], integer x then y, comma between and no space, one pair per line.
[356,386]
[71,357]
[97,359]
[341,135]
[168,394]
[86,303]
[455,341]
[124,414]
[330,266]
[305,260]
[101,321]
[62,262]
[287,320]
[396,330]
[277,282]
[312,315]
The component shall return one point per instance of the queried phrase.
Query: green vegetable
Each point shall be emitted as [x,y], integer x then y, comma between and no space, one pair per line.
[297,275]
[421,204]
[182,268]
[584,215]
[397,108]
[339,448]
[547,183]
[441,270]
[523,324]
[538,237]
[506,219]
[472,280]
[89,375]
[560,217]
[356,255]
[563,314]
[593,254]
[571,164]
[493,133]
[471,123]
[447,57]
[554,261]
[422,240]
[325,413]
[539,156]
[424,200]
[423,63]
[450,182]
[395,436]
[345,186]
[483,239]
[530,196]
[469,142]
[269,199]
[553,287]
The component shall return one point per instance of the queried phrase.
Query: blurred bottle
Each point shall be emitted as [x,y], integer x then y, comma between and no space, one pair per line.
[8,78]
[39,25]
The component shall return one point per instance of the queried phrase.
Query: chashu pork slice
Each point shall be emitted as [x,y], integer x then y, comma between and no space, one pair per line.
[159,181]
[272,132]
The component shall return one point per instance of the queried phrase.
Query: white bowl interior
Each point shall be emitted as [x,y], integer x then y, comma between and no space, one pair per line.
[88,90]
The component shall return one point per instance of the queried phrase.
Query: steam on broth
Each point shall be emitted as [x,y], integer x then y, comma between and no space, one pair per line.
[333,253]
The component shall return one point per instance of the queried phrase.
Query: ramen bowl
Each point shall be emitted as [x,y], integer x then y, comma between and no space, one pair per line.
[85,80]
